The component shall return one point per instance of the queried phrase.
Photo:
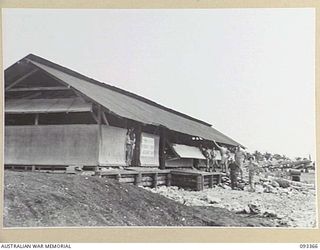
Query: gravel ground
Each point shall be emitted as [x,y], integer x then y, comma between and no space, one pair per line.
[291,207]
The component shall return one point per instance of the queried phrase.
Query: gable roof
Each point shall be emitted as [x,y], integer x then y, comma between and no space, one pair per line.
[121,102]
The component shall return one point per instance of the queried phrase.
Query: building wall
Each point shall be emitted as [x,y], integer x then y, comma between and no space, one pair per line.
[51,145]
[113,151]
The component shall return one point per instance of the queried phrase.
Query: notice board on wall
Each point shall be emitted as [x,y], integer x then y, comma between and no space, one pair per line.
[112,149]
[149,150]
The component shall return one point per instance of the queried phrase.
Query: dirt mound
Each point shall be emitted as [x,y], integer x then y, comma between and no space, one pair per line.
[50,200]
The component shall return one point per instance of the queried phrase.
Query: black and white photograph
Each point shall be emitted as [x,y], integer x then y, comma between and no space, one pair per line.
[201,118]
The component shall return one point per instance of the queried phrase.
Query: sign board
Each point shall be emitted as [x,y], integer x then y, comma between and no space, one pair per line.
[147,147]
[149,150]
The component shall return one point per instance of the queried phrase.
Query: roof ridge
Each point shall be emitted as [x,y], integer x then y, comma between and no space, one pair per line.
[111,87]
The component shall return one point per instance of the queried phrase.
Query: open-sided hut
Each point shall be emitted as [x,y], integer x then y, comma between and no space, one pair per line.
[57,117]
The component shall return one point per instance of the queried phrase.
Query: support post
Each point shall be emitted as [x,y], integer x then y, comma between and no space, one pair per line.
[137,180]
[210,181]
[200,182]
[99,137]
[36,119]
[104,117]
[162,145]
[118,177]
[169,178]
[136,152]
[155,180]
[219,179]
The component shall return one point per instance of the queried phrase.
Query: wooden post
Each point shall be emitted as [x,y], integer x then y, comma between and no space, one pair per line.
[200,182]
[155,180]
[33,168]
[138,179]
[210,181]
[169,178]
[219,178]
[99,137]
[105,118]
[36,119]
[162,145]
[136,152]
[118,177]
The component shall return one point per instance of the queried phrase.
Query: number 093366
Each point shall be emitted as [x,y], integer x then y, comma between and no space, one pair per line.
[309,246]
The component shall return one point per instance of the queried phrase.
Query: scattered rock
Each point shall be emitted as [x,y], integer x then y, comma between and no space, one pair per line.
[275,184]
[213,200]
[283,183]
[270,214]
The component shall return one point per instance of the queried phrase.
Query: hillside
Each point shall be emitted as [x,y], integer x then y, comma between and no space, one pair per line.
[55,200]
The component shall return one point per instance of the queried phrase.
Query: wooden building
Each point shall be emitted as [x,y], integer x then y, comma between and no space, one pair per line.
[57,117]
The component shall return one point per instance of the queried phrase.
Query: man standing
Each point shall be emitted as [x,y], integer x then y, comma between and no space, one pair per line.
[130,144]
[253,167]
[213,160]
[225,154]
[240,156]
[234,169]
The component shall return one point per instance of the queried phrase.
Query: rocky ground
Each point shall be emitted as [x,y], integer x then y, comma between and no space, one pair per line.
[34,199]
[291,204]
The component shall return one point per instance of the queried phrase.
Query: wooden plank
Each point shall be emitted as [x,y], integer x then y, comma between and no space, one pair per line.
[37,89]
[127,179]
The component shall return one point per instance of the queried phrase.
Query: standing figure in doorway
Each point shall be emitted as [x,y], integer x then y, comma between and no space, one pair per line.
[130,145]
[225,154]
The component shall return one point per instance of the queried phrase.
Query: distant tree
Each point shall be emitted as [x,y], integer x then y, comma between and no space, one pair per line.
[298,158]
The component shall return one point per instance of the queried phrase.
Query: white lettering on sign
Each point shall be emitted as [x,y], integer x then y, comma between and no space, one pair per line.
[147,147]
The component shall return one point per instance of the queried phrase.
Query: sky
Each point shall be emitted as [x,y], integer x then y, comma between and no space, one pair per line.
[248,72]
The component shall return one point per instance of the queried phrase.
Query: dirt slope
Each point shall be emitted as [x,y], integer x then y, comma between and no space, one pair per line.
[49,200]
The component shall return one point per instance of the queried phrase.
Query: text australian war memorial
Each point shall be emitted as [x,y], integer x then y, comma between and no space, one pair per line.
[56,118]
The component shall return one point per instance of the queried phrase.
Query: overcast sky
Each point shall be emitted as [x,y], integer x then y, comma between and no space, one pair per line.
[249,72]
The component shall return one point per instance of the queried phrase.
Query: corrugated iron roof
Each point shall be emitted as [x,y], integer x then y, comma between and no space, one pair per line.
[129,105]
[46,105]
